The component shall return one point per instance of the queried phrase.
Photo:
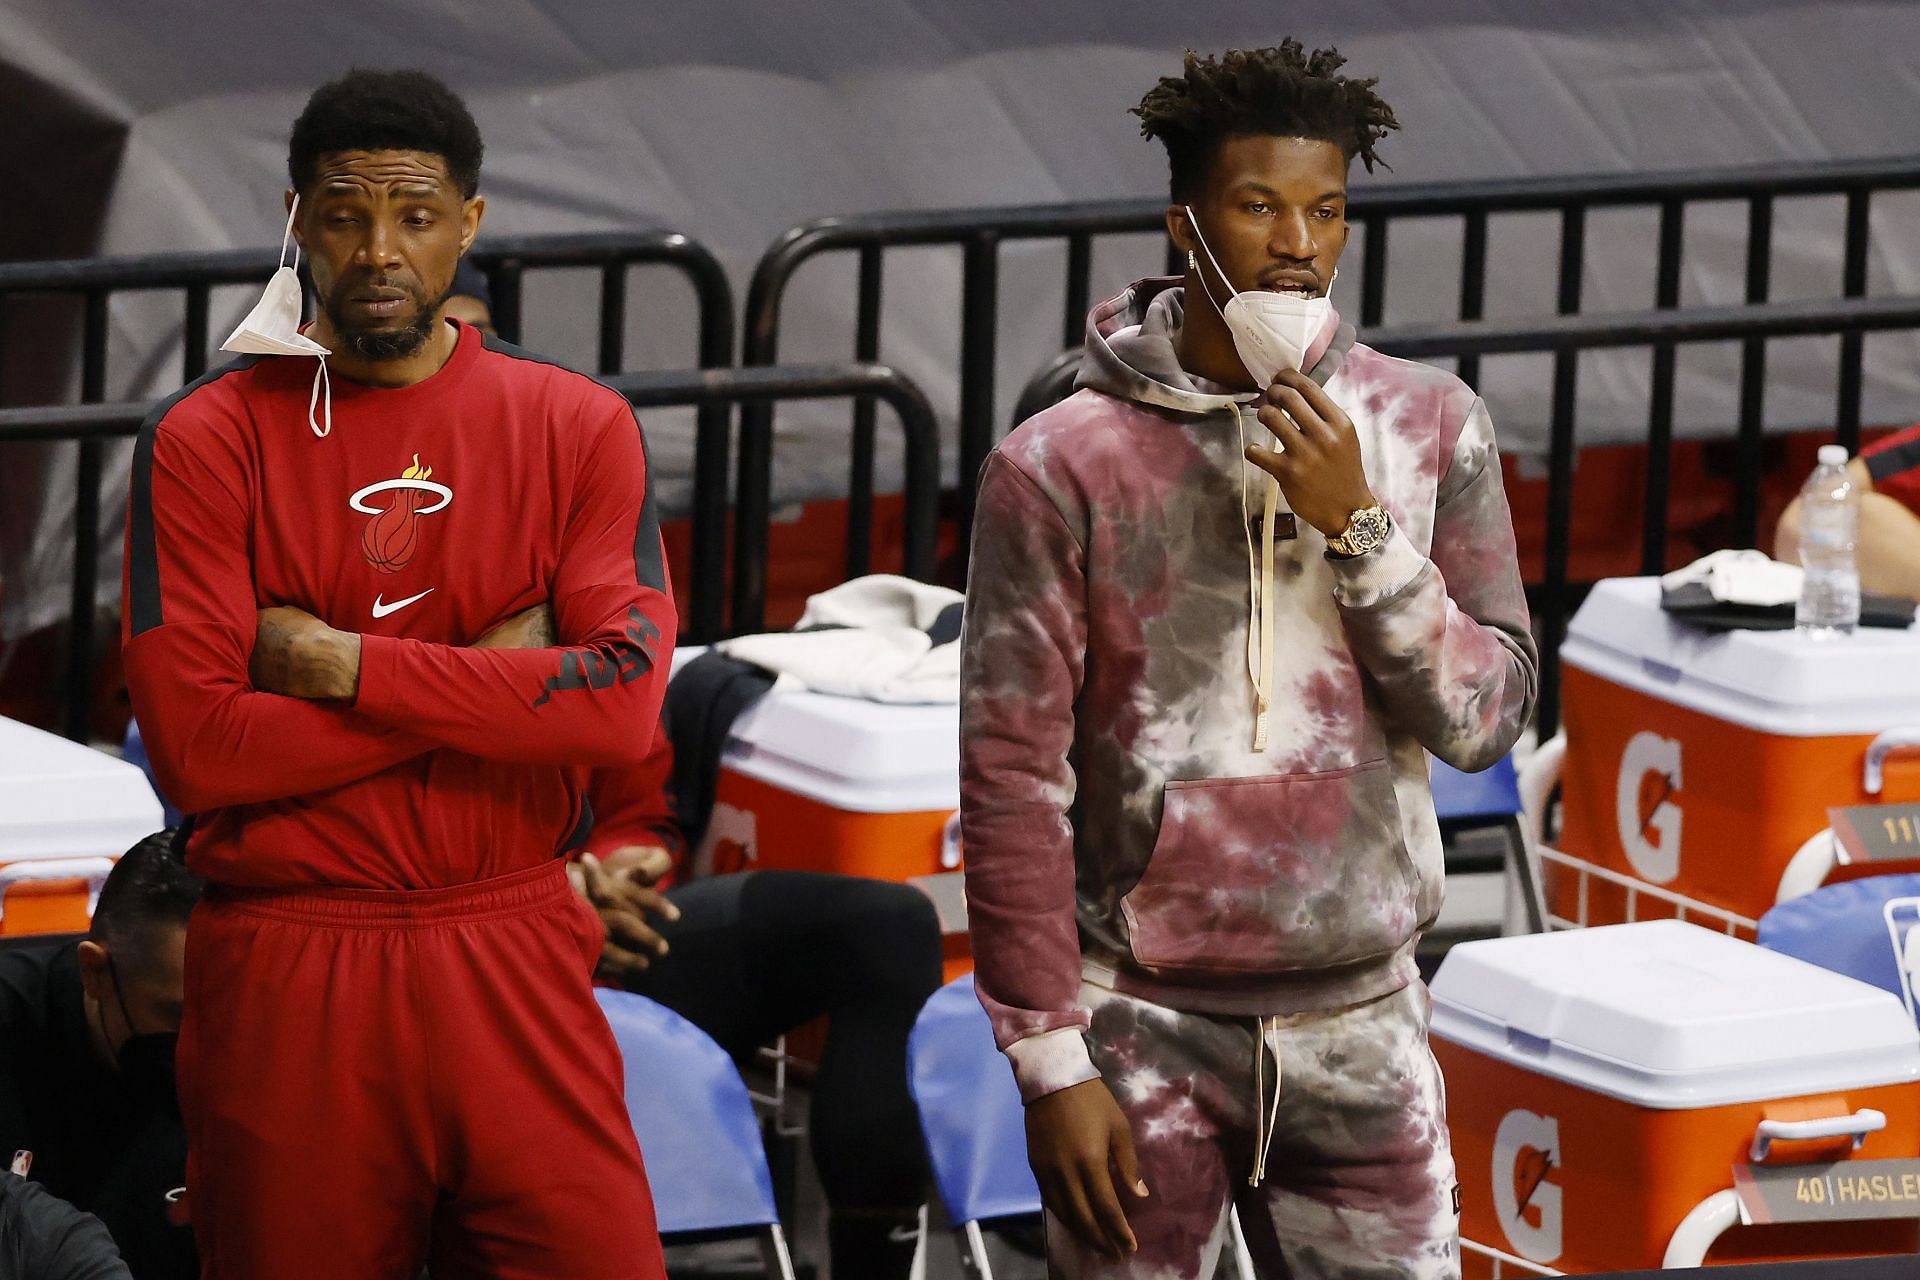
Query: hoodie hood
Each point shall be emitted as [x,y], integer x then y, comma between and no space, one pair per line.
[1133,344]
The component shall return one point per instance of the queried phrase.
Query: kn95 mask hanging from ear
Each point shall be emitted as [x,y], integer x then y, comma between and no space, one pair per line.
[272,328]
[1271,331]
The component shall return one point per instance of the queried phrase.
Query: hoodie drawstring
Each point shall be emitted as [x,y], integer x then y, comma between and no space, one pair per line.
[1260,593]
[1266,1114]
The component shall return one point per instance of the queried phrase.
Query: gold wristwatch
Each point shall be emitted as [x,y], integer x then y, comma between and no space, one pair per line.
[1367,528]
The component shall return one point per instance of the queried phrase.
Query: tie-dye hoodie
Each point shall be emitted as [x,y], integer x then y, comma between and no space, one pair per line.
[1115,813]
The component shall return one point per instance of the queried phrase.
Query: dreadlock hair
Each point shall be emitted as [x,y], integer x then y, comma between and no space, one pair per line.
[1282,91]
[386,111]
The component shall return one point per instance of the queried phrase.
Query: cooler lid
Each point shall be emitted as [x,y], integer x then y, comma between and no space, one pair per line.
[59,799]
[1773,681]
[1669,1015]
[855,755]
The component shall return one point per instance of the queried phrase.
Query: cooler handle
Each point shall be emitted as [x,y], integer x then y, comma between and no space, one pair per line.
[92,870]
[1886,744]
[1856,1126]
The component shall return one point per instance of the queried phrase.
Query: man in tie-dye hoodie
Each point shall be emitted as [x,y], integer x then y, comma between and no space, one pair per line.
[1215,623]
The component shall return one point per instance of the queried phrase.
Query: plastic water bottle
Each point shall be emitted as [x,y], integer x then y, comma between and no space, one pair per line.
[1829,524]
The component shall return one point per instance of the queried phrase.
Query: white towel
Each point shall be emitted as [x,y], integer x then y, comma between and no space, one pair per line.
[1742,577]
[875,646]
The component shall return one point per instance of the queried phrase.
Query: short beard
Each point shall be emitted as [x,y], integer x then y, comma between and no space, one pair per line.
[377,346]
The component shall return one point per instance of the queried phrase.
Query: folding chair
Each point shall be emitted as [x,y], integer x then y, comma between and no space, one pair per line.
[975,1124]
[971,1113]
[697,1129]
[1491,798]
[134,752]
[1862,928]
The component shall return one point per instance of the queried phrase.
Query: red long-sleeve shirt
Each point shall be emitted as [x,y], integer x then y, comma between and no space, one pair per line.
[630,806]
[432,513]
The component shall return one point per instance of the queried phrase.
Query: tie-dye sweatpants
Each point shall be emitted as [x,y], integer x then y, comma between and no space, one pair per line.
[1359,1179]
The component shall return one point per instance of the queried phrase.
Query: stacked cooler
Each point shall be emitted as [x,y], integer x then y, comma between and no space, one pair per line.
[1698,763]
[813,782]
[1609,1088]
[66,811]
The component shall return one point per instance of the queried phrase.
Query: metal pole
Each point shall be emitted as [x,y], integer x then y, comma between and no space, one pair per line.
[1073,326]
[86,526]
[712,448]
[1373,267]
[979,325]
[1653,535]
[866,347]
[504,284]
[193,358]
[1853,347]
[1473,285]
[613,317]
[1557,604]
[1560,457]
[1753,380]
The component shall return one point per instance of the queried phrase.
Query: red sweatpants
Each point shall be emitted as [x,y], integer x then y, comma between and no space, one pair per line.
[372,1081]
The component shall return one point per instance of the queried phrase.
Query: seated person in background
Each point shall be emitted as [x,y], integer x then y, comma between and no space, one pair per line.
[471,301]
[1887,473]
[44,1238]
[87,1031]
[749,957]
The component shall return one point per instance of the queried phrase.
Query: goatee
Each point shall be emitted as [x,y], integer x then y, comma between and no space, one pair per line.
[379,345]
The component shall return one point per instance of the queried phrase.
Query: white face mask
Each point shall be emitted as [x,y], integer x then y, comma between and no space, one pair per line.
[272,328]
[1271,331]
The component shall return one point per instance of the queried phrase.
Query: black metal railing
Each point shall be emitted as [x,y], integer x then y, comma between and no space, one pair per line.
[505,260]
[979,233]
[759,389]
[1662,332]
[1565,338]
[718,390]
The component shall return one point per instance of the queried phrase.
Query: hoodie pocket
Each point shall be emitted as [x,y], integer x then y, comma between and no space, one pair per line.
[1257,875]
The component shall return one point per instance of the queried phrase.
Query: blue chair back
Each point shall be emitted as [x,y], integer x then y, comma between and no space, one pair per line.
[134,751]
[1492,793]
[1842,927]
[970,1109]
[694,1120]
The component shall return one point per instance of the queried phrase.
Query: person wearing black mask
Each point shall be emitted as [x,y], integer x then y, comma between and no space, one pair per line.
[87,1032]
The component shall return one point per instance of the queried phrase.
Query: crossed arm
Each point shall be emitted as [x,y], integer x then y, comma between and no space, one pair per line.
[299,656]
[240,705]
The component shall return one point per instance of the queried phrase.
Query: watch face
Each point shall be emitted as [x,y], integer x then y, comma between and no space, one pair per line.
[1367,530]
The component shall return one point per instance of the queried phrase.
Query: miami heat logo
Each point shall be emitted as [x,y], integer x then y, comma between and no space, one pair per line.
[393,534]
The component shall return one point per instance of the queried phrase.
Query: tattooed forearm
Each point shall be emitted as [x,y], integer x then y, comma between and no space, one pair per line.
[296,654]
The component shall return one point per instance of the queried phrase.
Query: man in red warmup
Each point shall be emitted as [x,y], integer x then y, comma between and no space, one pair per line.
[391,1055]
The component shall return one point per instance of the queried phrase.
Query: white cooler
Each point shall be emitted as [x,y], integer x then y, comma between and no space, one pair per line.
[1698,763]
[1603,1085]
[66,812]
[815,782]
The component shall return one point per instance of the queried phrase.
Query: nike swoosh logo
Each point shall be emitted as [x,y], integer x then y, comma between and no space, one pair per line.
[381,610]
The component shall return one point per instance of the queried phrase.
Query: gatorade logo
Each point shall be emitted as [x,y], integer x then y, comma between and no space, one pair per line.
[730,843]
[1645,806]
[1526,1152]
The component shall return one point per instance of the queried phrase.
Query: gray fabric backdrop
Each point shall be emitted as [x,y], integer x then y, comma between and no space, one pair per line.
[733,119]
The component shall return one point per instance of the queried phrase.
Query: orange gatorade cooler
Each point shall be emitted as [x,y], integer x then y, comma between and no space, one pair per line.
[66,812]
[815,782]
[1608,1089]
[1698,763]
